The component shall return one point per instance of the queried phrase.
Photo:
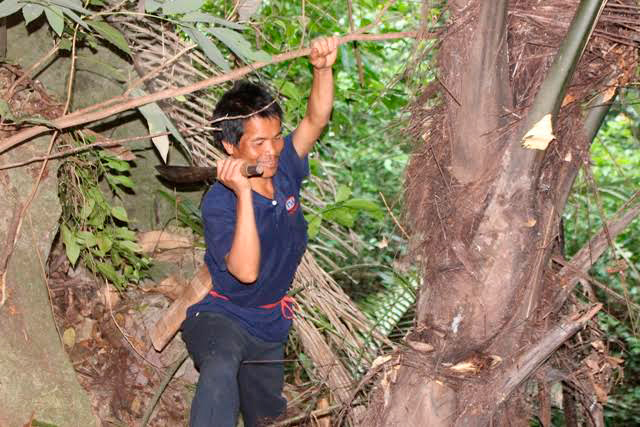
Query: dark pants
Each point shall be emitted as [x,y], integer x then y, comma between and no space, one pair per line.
[231,377]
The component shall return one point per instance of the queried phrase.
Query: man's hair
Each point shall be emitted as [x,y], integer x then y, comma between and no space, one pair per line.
[243,101]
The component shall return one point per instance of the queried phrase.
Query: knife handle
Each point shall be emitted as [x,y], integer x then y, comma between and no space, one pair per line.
[251,170]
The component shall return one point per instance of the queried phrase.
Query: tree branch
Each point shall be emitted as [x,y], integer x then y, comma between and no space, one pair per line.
[594,248]
[72,120]
[106,143]
[533,357]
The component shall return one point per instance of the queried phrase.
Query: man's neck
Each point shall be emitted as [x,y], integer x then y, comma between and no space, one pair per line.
[263,186]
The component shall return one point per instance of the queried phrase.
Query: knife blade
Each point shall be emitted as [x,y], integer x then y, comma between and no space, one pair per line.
[193,174]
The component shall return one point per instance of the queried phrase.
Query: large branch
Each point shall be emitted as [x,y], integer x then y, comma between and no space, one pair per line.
[75,119]
[534,356]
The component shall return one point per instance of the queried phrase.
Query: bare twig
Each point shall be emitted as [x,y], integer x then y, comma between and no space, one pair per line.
[593,249]
[298,419]
[34,242]
[161,388]
[105,143]
[121,103]
[378,19]
[356,51]
[31,69]
[584,276]
[124,334]
[394,217]
[157,70]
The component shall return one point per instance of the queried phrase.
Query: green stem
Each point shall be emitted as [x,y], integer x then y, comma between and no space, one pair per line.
[551,92]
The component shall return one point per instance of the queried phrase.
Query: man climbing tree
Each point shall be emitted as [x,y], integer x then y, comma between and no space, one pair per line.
[256,235]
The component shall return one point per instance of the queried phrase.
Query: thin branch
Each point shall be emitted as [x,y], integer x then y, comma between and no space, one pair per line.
[157,70]
[103,144]
[107,297]
[161,388]
[394,217]
[356,51]
[584,276]
[31,69]
[129,103]
[594,248]
[299,419]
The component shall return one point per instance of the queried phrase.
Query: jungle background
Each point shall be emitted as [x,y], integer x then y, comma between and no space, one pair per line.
[114,244]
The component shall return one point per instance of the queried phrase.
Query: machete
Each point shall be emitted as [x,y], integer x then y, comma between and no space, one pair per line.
[193,174]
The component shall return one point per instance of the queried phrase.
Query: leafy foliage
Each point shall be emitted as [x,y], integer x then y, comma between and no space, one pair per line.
[614,165]
[94,227]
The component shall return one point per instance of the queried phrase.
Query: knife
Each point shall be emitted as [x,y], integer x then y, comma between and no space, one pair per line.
[192,174]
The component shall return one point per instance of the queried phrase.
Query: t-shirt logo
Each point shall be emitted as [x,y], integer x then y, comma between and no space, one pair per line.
[291,204]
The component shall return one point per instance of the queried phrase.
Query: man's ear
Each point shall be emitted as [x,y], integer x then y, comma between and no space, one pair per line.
[229,148]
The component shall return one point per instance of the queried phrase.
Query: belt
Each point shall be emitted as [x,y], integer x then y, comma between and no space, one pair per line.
[287,304]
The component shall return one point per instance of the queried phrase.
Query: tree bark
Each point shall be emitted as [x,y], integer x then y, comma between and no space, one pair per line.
[491,209]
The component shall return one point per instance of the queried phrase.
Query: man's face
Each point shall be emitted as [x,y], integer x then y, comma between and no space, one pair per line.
[260,144]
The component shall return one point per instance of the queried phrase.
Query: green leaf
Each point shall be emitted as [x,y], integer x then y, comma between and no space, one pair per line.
[289,90]
[98,218]
[368,206]
[31,12]
[96,2]
[86,238]
[343,193]
[36,423]
[38,121]
[342,215]
[118,165]
[111,34]
[205,17]
[65,44]
[71,4]
[130,246]
[87,208]
[110,273]
[125,181]
[71,14]
[9,7]
[104,242]
[120,213]
[55,19]
[71,246]
[124,233]
[207,46]
[314,226]
[170,7]
[236,42]
[5,111]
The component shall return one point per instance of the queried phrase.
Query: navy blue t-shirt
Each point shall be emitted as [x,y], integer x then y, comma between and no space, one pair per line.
[283,240]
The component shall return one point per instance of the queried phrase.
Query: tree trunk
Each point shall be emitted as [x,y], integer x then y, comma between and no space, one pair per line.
[489,210]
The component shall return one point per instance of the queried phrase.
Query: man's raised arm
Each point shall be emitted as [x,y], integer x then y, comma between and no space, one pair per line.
[323,55]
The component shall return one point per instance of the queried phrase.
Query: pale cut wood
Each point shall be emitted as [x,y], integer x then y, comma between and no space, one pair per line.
[170,322]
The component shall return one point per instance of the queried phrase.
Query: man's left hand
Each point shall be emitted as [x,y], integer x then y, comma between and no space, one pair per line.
[324,52]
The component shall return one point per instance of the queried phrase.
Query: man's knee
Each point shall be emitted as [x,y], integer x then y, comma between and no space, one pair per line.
[219,368]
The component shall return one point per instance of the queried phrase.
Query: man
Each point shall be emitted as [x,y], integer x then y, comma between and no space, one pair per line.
[256,235]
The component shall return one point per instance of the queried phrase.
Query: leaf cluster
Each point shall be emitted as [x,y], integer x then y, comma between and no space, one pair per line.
[95,227]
